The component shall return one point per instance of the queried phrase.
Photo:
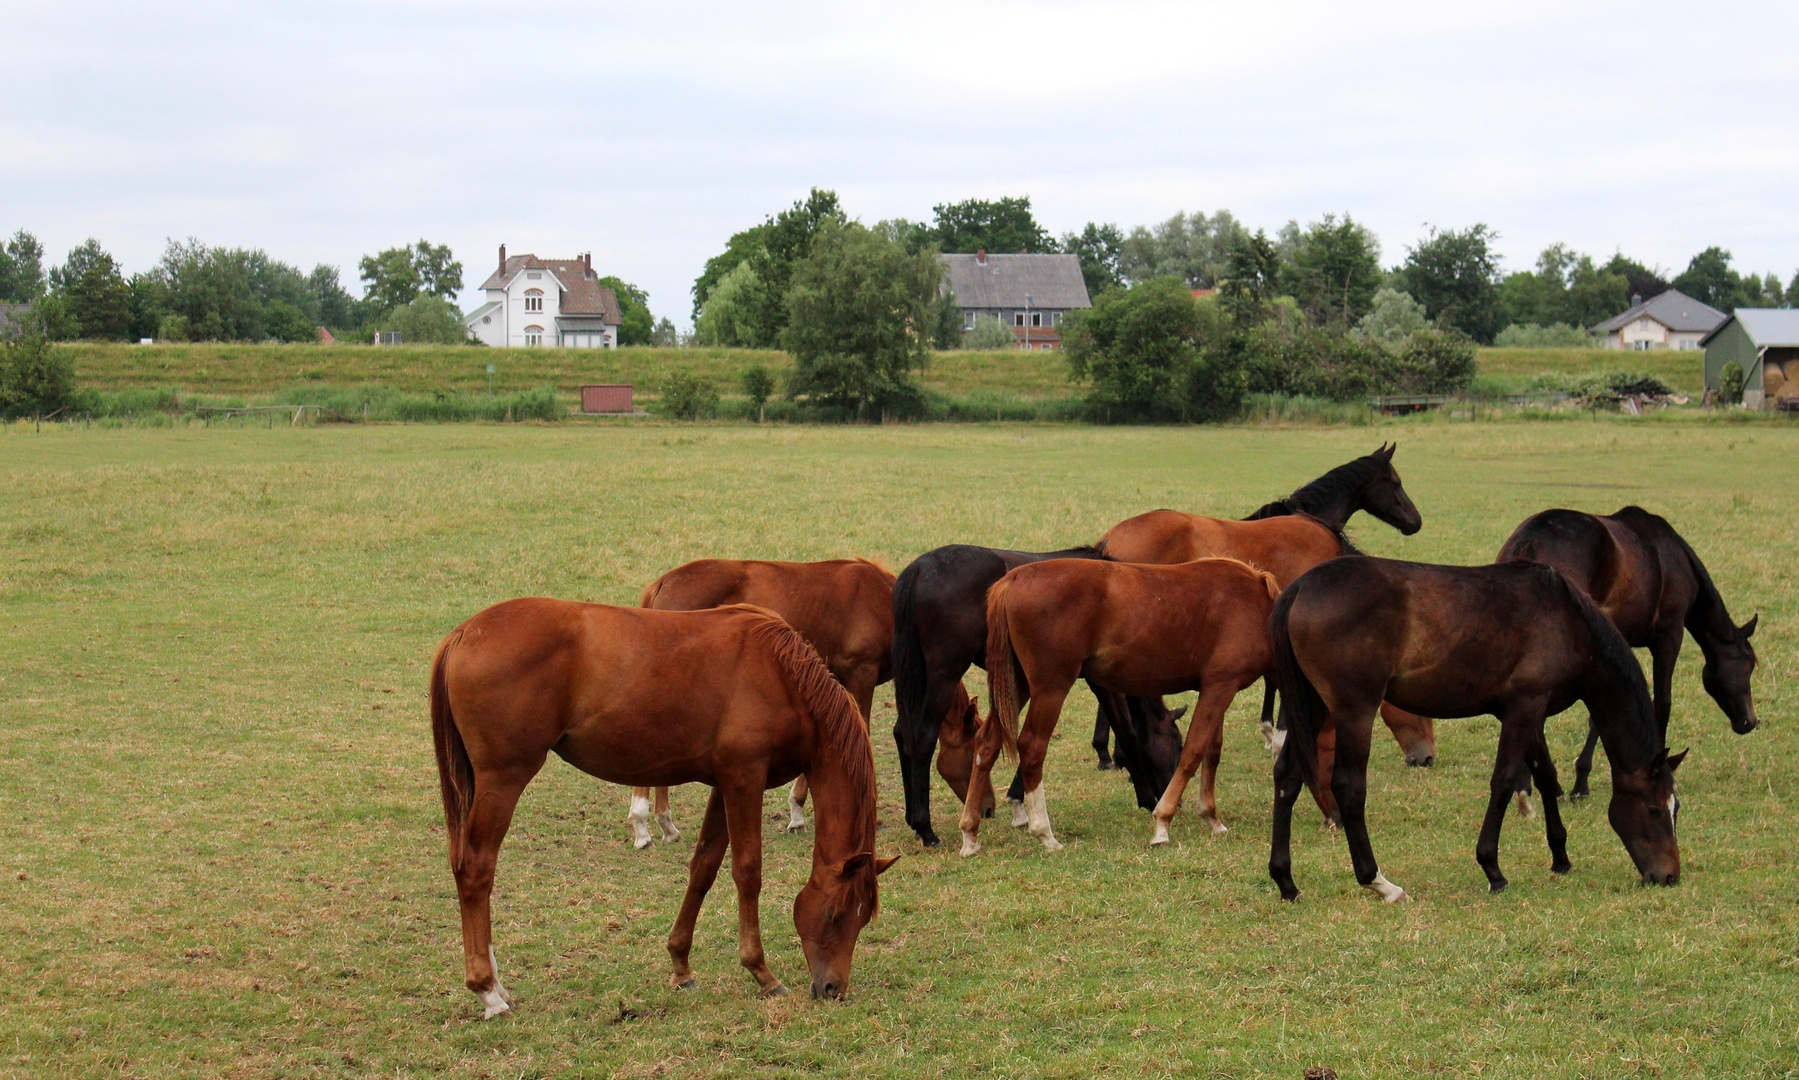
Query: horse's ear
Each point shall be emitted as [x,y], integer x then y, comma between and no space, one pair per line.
[1674,761]
[1747,630]
[855,864]
[1385,453]
[881,865]
[1177,714]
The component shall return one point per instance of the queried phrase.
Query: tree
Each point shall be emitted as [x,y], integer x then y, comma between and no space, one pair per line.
[758,384]
[1251,278]
[638,326]
[687,396]
[665,336]
[397,276]
[997,225]
[1392,317]
[1142,349]
[727,317]
[223,294]
[21,269]
[1566,288]
[1709,279]
[771,250]
[285,322]
[989,332]
[97,298]
[1192,247]
[859,318]
[1099,248]
[333,304]
[1334,271]
[1640,280]
[427,320]
[738,250]
[1455,276]
[34,377]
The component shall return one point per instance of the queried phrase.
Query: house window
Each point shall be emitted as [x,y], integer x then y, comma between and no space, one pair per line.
[968,320]
[533,336]
[1036,318]
[1018,318]
[534,276]
[533,299]
[1055,318]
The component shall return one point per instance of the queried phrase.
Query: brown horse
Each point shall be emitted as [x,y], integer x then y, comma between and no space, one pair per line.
[1137,630]
[843,607]
[1518,641]
[730,697]
[1655,590]
[1286,538]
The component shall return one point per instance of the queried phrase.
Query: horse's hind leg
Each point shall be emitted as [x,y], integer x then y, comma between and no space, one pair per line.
[639,818]
[702,870]
[1518,730]
[1205,740]
[1349,784]
[665,817]
[496,795]
[1271,737]
[1583,765]
[1033,747]
[1287,786]
[796,804]
[1102,731]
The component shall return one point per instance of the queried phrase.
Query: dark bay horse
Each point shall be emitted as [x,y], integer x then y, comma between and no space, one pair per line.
[1516,640]
[842,607]
[730,697]
[1287,537]
[940,631]
[1652,586]
[1139,630]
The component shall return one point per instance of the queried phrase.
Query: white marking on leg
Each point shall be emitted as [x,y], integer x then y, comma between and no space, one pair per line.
[497,1000]
[639,818]
[1219,828]
[970,846]
[1388,891]
[666,820]
[1020,816]
[1522,798]
[796,814]
[1161,834]
[1036,805]
[1268,742]
[1279,739]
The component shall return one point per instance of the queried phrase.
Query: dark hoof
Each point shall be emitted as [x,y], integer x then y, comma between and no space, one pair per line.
[1577,793]
[775,991]
[1561,867]
[929,840]
[1107,766]
[1290,897]
[690,984]
[1498,886]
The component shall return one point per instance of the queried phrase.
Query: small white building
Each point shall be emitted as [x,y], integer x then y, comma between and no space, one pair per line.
[552,303]
[1669,320]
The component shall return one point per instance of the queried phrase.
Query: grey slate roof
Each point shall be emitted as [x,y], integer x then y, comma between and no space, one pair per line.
[1673,309]
[1767,327]
[1051,281]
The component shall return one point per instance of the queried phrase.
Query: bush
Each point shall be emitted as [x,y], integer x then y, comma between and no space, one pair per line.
[989,333]
[34,378]
[1730,384]
[1553,336]
[173,328]
[1153,354]
[758,385]
[428,320]
[288,324]
[686,396]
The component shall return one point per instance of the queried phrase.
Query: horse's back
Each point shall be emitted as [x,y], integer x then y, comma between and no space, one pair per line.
[1609,558]
[1285,546]
[842,606]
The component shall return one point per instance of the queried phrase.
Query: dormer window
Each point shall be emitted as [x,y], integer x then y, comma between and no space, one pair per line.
[533,299]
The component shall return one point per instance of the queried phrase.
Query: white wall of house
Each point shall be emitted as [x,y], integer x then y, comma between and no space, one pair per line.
[526,317]
[1647,333]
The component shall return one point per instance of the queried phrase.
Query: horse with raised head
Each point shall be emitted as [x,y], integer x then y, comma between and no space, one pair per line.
[1516,640]
[842,607]
[1287,537]
[1655,590]
[731,697]
[1134,629]
[940,631]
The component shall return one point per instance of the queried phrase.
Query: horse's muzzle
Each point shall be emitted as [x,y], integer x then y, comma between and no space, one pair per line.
[826,991]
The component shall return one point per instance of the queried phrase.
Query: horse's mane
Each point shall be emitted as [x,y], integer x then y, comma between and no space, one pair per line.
[1613,653]
[1709,605]
[841,730]
[1084,551]
[1309,500]
[1268,580]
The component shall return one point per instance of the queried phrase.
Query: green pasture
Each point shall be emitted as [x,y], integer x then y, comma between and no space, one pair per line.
[222,852]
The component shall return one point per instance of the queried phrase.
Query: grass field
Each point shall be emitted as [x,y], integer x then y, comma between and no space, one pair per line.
[222,853]
[265,369]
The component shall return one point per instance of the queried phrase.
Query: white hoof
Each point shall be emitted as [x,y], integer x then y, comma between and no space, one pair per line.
[1219,828]
[1279,739]
[1050,843]
[493,1004]
[1268,737]
[1161,835]
[796,816]
[1522,799]
[1388,891]
[667,823]
[970,846]
[641,840]
[1020,816]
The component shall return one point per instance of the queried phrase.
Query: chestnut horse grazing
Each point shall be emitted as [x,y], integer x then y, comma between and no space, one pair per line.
[842,607]
[1139,630]
[1652,586]
[730,697]
[1287,537]
[1517,640]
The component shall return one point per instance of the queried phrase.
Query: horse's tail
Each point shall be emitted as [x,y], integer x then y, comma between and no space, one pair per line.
[910,682]
[1002,669]
[455,773]
[1302,710]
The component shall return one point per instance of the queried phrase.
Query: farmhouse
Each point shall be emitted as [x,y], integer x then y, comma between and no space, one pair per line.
[1764,342]
[1670,320]
[554,303]
[1029,293]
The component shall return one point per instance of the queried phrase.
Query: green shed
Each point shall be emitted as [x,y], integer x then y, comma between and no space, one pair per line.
[1764,342]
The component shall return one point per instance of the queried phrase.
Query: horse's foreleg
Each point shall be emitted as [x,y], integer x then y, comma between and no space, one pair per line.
[743,819]
[1287,786]
[496,797]
[796,804]
[986,749]
[1517,731]
[639,818]
[1033,746]
[702,870]
[1205,739]
[1102,731]
[665,817]
[1542,767]
[1349,784]
[1663,653]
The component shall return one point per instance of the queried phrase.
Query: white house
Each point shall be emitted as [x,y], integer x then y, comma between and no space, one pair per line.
[1669,320]
[554,303]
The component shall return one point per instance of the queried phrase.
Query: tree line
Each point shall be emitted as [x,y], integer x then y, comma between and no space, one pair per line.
[199,292]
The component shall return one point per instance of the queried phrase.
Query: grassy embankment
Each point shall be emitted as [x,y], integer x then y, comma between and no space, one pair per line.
[223,853]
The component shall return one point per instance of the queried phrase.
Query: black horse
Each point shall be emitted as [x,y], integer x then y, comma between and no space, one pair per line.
[1652,586]
[940,629]
[1517,640]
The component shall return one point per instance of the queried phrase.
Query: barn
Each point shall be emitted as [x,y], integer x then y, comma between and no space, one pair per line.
[1764,342]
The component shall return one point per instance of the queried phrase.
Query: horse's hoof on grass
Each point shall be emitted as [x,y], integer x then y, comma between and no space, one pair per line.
[1107,766]
[1560,868]
[640,843]
[1497,886]
[689,984]
[970,846]
[775,991]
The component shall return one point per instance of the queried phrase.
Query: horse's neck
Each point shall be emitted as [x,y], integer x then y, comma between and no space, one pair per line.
[1337,509]
[1622,715]
[1707,619]
[843,812]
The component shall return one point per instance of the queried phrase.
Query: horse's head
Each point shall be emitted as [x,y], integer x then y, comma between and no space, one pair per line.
[1384,496]
[830,912]
[1643,813]
[1154,751]
[1728,666]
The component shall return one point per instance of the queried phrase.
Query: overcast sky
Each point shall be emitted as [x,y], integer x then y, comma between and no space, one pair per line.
[649,133]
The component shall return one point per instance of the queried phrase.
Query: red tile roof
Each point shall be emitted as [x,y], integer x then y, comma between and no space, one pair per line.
[582,294]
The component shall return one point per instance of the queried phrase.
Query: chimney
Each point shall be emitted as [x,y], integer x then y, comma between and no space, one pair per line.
[1636,298]
[980,256]
[502,258]
[587,262]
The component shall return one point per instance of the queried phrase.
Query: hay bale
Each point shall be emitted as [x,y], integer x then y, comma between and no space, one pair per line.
[1772,379]
[1793,371]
